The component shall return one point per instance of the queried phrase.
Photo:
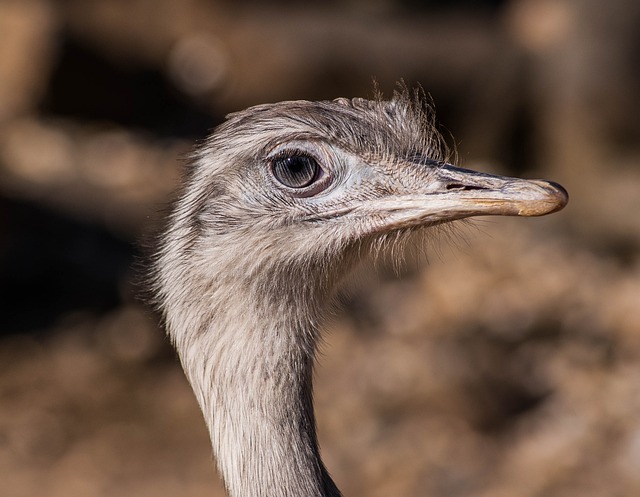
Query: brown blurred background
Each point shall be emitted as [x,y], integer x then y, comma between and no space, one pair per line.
[509,366]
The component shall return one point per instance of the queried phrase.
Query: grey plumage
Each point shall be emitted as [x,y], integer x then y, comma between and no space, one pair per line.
[278,205]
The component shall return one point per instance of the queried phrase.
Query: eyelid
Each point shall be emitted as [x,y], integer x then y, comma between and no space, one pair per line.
[289,147]
[292,152]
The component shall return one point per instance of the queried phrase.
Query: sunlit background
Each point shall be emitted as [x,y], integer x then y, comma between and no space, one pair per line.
[507,367]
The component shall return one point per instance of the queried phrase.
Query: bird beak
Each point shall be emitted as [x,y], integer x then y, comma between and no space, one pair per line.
[463,192]
[451,193]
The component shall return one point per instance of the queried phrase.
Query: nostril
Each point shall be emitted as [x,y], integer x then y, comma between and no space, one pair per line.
[461,187]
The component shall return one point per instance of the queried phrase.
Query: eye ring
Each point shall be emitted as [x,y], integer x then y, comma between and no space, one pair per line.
[296,170]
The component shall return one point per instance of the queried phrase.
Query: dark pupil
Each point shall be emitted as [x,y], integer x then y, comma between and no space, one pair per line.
[296,171]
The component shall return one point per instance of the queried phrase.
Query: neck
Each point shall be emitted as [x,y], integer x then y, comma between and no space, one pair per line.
[252,375]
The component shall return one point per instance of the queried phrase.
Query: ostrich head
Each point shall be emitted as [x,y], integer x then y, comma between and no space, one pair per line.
[280,203]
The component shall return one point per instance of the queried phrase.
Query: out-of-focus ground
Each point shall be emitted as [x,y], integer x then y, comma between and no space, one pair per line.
[507,367]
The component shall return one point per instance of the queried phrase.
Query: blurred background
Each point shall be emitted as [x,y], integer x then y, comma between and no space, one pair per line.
[507,366]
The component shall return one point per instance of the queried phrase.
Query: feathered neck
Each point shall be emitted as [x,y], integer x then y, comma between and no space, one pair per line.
[247,346]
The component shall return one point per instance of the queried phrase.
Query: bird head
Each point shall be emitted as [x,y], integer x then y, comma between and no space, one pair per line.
[287,186]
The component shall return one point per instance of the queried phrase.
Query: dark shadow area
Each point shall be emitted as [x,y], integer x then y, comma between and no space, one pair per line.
[86,85]
[51,264]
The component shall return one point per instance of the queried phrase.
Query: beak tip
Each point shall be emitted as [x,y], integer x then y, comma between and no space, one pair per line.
[555,198]
[560,195]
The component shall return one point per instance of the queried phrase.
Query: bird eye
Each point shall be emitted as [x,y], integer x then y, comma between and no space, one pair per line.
[296,171]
